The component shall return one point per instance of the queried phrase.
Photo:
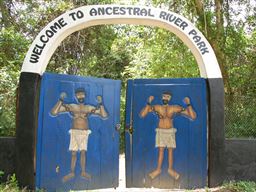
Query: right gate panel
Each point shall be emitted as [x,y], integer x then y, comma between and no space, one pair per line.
[166,133]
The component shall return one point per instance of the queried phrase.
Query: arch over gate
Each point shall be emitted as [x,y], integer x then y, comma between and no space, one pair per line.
[56,31]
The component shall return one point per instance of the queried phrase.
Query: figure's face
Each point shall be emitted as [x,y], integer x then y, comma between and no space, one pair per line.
[80,97]
[166,98]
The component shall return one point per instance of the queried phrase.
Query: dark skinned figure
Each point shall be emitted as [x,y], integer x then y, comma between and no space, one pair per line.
[79,132]
[165,132]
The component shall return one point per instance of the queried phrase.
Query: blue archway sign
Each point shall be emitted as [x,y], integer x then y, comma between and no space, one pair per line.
[55,32]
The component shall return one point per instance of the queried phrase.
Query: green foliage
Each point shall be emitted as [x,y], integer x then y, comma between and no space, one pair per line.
[156,53]
[122,120]
[239,117]
[11,185]
[241,186]
[13,47]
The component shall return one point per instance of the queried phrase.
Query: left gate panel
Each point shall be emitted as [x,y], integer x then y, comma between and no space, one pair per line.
[78,144]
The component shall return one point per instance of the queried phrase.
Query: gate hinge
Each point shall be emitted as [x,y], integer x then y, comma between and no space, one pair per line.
[129,129]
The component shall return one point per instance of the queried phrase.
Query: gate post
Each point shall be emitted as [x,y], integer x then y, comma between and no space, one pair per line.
[26,124]
[216,167]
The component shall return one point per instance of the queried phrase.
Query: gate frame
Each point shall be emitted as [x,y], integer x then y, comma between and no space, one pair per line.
[55,32]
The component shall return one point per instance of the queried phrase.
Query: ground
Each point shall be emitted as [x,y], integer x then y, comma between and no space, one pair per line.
[122,188]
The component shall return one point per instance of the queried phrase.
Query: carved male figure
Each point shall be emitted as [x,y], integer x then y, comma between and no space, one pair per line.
[165,132]
[79,132]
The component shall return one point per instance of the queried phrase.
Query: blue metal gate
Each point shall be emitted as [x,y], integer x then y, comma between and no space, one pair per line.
[77,140]
[166,133]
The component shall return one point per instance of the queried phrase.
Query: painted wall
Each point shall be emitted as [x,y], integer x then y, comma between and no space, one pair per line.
[240,159]
[7,156]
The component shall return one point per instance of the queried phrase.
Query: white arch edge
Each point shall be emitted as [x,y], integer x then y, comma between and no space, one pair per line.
[207,62]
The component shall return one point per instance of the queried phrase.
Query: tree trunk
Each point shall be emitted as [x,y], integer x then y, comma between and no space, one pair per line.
[214,32]
[5,13]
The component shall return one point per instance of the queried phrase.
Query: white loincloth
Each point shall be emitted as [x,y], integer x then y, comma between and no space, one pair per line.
[165,137]
[78,139]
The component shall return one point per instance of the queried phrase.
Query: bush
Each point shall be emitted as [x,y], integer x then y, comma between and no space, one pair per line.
[240,186]
[11,185]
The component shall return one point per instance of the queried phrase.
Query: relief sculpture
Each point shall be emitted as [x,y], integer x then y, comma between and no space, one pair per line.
[80,131]
[165,132]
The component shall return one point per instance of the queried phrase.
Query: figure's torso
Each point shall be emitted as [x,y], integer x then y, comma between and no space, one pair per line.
[165,114]
[80,114]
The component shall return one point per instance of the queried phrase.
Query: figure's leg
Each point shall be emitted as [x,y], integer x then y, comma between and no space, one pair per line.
[73,165]
[158,170]
[83,165]
[171,171]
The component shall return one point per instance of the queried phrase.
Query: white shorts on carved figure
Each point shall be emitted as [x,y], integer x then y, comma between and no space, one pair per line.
[78,139]
[165,137]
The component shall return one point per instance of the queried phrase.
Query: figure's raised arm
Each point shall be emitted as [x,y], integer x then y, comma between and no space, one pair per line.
[148,108]
[100,110]
[189,111]
[60,106]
